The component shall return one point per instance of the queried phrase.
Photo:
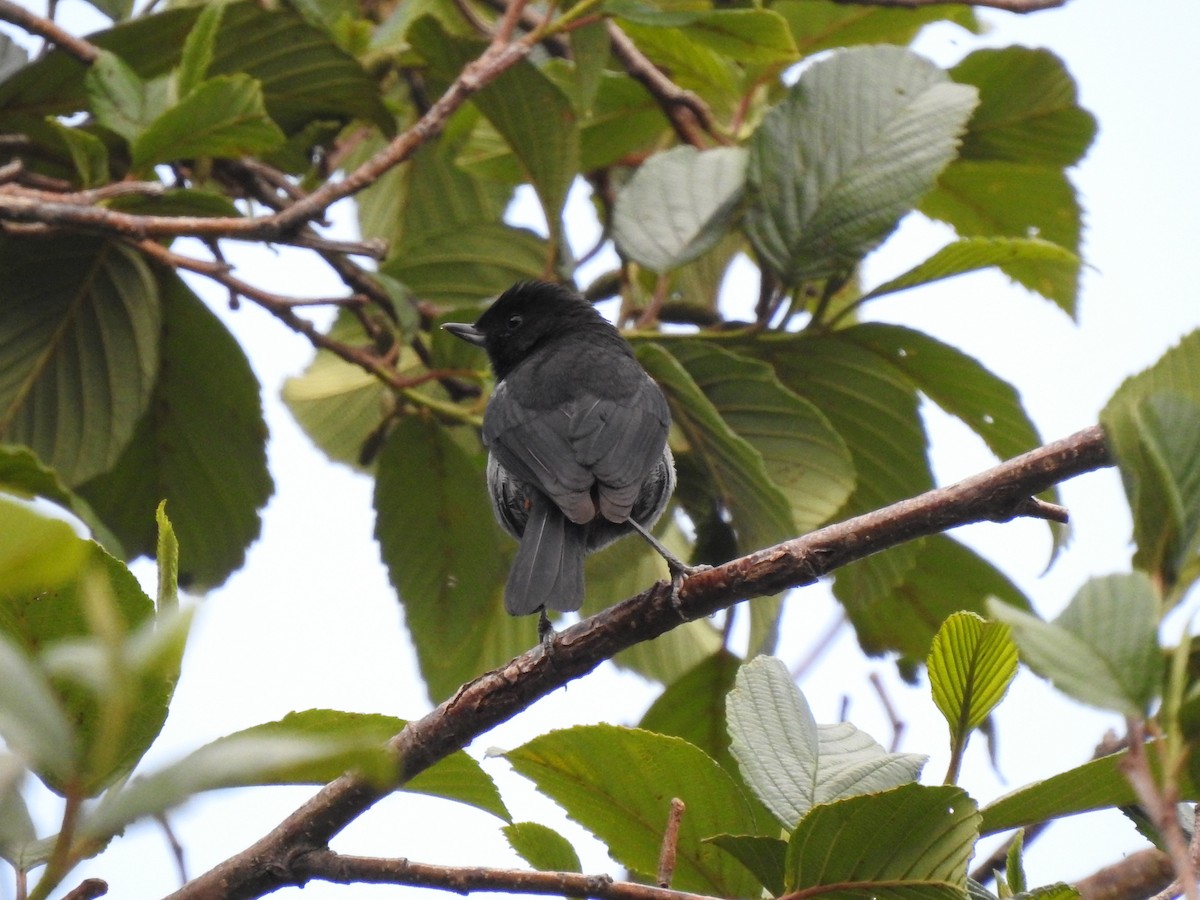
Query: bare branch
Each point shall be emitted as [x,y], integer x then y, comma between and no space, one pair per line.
[48,29]
[277,858]
[1135,877]
[325,865]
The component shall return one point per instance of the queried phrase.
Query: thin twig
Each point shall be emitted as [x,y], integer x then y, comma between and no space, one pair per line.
[49,30]
[670,843]
[893,718]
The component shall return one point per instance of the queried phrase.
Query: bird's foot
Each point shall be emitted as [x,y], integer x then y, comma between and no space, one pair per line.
[545,629]
[679,571]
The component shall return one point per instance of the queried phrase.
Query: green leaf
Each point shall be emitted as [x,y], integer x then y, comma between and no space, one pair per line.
[1103,649]
[912,841]
[825,186]
[946,577]
[78,350]
[793,764]
[804,456]
[32,723]
[736,470]
[88,153]
[693,65]
[873,406]
[198,49]
[749,36]
[764,857]
[693,707]
[16,825]
[590,52]
[443,552]
[956,382]
[338,405]
[619,782]
[1098,784]
[23,474]
[543,848]
[678,204]
[530,112]
[1040,265]
[1004,199]
[826,25]
[1014,866]
[37,552]
[463,265]
[120,100]
[310,747]
[214,488]
[971,664]
[224,116]
[625,121]
[167,554]
[1152,424]
[1028,108]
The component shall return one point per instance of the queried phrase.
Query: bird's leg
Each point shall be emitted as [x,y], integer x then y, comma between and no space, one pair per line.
[677,567]
[545,629]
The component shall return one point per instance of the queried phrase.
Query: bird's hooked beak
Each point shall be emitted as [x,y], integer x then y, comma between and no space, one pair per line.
[468,333]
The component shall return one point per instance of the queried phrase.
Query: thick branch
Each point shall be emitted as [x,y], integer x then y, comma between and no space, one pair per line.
[996,495]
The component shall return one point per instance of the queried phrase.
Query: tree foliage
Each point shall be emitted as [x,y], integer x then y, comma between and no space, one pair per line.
[793,135]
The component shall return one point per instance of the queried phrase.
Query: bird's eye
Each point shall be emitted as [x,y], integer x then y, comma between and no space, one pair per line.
[514,322]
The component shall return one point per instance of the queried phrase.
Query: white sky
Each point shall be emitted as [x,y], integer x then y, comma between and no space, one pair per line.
[311,620]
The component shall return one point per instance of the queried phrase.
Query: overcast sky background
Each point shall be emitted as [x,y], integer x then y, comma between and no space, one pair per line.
[311,620]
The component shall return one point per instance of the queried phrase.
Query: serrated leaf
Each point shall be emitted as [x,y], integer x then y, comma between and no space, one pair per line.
[33,724]
[749,36]
[1152,424]
[971,664]
[825,25]
[444,551]
[78,350]
[873,406]
[738,475]
[911,841]
[790,762]
[1028,109]
[201,445]
[805,458]
[825,187]
[1038,264]
[1103,649]
[619,782]
[1097,784]
[530,112]
[198,49]
[224,116]
[764,857]
[678,205]
[1004,199]
[120,100]
[463,265]
[543,848]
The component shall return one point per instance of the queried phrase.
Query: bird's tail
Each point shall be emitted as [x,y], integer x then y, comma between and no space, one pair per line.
[548,569]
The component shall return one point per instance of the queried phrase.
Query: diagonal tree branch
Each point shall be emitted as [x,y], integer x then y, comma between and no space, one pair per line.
[997,495]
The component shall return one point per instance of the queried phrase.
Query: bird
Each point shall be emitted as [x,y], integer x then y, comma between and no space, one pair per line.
[576,434]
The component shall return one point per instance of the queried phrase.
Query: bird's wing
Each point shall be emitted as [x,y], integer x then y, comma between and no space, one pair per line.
[588,441]
[534,445]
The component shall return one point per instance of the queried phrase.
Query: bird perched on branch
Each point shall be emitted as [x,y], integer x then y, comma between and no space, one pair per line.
[576,433]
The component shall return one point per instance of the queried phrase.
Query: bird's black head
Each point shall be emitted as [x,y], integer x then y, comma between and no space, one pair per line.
[527,316]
